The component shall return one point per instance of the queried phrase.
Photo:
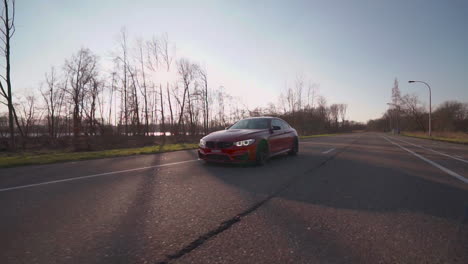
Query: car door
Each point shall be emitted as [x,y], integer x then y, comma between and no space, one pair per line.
[288,135]
[276,138]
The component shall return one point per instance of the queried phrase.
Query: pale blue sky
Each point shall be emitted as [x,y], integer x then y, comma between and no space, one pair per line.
[353,49]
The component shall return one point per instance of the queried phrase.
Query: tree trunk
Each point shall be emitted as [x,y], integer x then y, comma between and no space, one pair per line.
[170,110]
[163,124]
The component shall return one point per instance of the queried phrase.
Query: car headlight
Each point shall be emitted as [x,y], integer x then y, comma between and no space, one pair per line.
[244,143]
[202,143]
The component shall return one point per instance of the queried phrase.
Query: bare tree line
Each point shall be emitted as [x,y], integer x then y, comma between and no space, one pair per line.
[302,107]
[407,113]
[80,99]
[149,91]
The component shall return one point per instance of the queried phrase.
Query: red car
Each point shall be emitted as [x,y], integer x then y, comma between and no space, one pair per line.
[253,139]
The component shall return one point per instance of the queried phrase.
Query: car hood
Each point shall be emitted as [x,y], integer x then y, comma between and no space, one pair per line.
[234,134]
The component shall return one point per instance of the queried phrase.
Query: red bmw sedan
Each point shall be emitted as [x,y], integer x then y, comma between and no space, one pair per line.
[253,139]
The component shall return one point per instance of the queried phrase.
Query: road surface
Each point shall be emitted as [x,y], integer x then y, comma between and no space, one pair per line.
[356,198]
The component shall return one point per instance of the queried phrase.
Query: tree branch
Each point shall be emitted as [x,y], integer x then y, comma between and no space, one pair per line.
[4,94]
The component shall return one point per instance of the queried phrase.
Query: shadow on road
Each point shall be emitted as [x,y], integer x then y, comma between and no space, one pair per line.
[358,185]
[350,183]
[129,243]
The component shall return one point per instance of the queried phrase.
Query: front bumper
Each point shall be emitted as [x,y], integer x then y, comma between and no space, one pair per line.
[228,155]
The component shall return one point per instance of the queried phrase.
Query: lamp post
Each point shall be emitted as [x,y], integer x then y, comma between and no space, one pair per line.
[430,105]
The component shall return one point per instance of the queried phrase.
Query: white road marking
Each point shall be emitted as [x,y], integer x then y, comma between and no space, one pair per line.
[442,168]
[435,151]
[93,176]
[328,151]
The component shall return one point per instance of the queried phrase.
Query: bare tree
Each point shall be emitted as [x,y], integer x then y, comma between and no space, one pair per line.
[166,57]
[165,52]
[187,71]
[81,69]
[334,112]
[311,94]
[122,62]
[396,95]
[221,107]
[451,116]
[91,104]
[170,109]
[100,104]
[53,98]
[191,99]
[206,109]
[158,53]
[396,101]
[342,113]
[411,105]
[163,122]
[322,111]
[7,30]
[143,86]
[152,53]
[291,99]
[111,96]
[28,114]
[134,103]
[298,91]
[283,103]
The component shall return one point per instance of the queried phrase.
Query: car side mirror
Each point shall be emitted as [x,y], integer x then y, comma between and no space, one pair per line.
[276,127]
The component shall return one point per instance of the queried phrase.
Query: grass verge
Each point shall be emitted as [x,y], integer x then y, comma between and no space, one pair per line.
[30,158]
[14,160]
[319,135]
[459,138]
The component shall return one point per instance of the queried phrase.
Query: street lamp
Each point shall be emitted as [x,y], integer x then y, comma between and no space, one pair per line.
[430,106]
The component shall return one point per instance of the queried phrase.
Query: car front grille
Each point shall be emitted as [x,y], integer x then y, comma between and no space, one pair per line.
[218,145]
[244,156]
[217,157]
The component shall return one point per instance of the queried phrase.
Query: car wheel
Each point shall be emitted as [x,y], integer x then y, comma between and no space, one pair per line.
[262,154]
[295,148]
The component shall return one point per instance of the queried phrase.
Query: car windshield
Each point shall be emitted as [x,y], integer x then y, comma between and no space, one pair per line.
[256,123]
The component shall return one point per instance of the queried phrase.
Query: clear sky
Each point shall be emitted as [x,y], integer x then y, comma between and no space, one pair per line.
[352,49]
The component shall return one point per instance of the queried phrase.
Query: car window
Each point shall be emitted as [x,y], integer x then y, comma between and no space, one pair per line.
[255,123]
[276,122]
[284,124]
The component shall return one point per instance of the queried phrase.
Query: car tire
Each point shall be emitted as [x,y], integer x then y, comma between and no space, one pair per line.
[295,148]
[261,157]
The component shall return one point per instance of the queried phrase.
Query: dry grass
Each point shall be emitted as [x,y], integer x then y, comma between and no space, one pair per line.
[319,135]
[28,158]
[453,137]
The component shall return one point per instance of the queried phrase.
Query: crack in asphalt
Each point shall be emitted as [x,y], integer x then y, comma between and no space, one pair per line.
[232,221]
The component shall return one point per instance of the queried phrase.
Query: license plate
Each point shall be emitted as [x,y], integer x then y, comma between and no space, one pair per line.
[216,150]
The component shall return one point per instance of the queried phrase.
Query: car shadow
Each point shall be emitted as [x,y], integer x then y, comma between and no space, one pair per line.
[249,164]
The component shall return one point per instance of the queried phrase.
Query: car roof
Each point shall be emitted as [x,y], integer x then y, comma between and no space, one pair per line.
[262,117]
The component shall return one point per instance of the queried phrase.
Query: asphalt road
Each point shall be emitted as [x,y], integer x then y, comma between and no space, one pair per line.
[357,198]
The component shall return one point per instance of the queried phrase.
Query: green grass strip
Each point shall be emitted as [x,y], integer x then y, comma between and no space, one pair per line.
[319,135]
[34,159]
[29,158]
